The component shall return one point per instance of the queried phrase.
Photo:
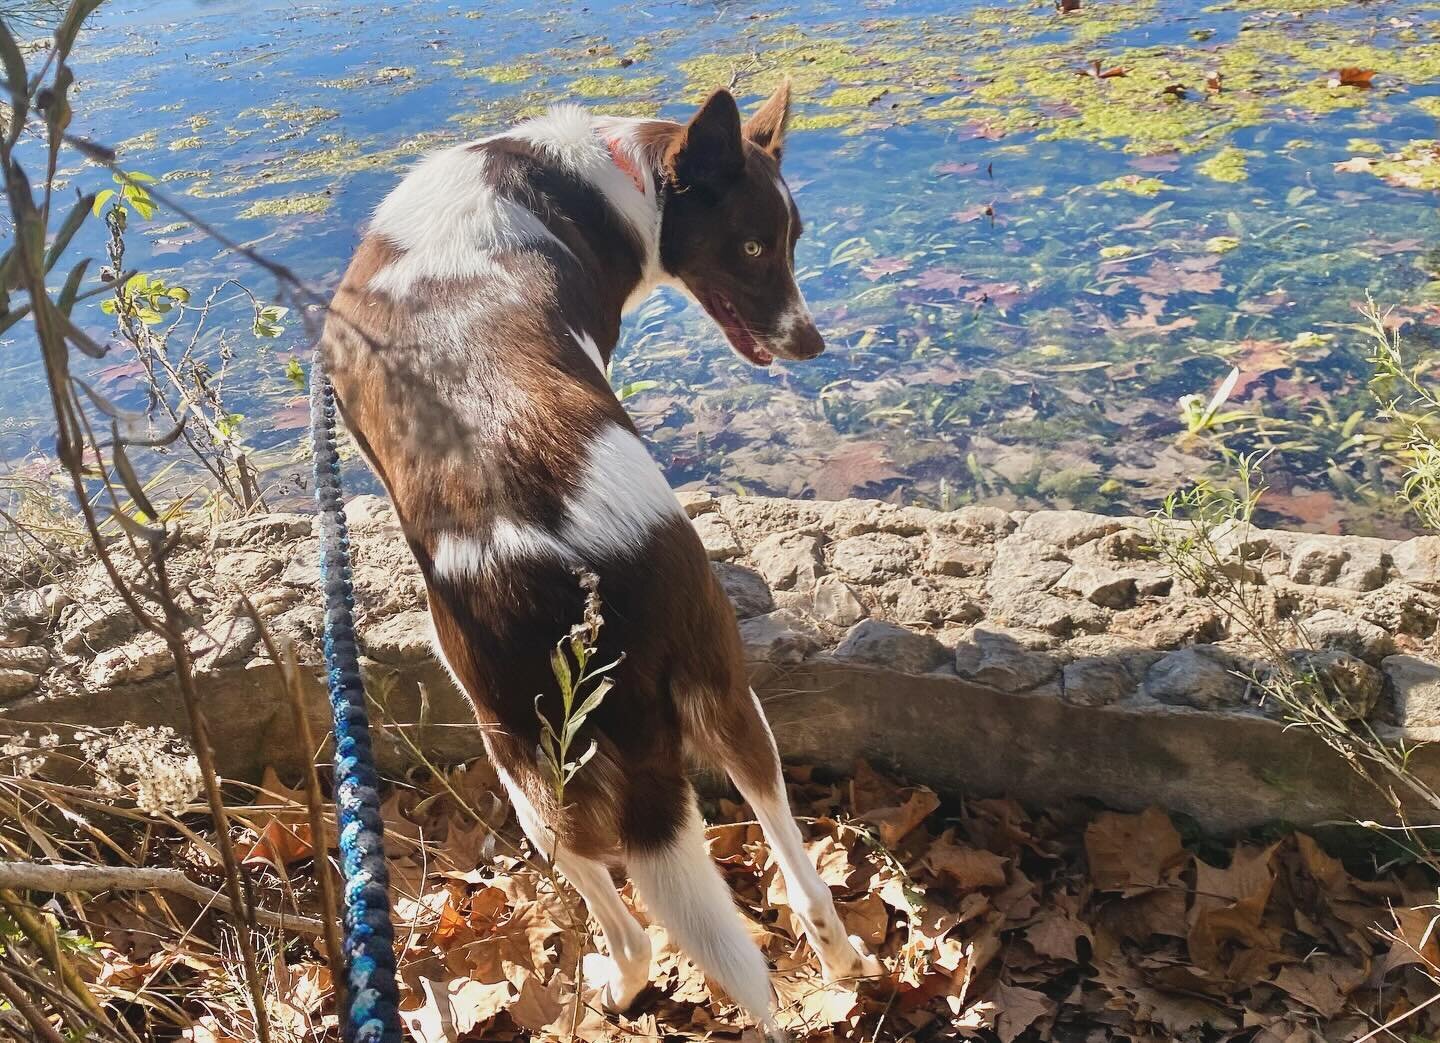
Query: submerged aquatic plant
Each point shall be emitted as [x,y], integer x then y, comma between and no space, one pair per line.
[1200,416]
[1410,398]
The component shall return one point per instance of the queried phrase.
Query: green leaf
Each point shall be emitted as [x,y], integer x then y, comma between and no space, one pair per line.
[15,77]
[295,373]
[66,301]
[560,667]
[73,221]
[634,388]
[128,478]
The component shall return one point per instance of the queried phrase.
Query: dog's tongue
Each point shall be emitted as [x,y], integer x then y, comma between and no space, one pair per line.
[738,333]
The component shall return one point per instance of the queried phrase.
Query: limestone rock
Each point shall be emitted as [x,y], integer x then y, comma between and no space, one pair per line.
[1201,676]
[1352,685]
[755,517]
[1096,681]
[975,524]
[952,556]
[746,589]
[15,683]
[873,557]
[402,638]
[1100,585]
[1008,660]
[1414,690]
[264,531]
[236,640]
[303,568]
[1048,612]
[1335,629]
[1417,562]
[305,623]
[1019,569]
[782,636]
[789,560]
[1126,545]
[1066,529]
[1172,623]
[695,502]
[885,644]
[34,659]
[129,664]
[836,603]
[94,628]
[369,512]
[14,637]
[1350,562]
[32,608]
[245,570]
[716,537]
[843,518]
[922,599]
[1401,609]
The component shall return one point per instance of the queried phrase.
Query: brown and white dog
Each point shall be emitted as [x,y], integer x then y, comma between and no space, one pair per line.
[468,344]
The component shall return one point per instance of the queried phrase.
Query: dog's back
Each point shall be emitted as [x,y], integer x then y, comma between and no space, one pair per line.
[467,345]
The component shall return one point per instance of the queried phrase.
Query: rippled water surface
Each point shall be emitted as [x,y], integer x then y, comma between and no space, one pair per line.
[1020,265]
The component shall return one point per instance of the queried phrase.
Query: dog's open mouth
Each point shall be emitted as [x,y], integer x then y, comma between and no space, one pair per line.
[736,332]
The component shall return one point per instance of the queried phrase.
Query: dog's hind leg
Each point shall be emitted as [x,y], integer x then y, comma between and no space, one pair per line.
[627,941]
[753,763]
[683,889]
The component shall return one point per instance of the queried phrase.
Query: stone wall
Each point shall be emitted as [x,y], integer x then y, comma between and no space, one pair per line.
[1043,655]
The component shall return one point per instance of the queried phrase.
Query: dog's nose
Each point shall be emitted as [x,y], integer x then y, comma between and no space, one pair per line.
[805,342]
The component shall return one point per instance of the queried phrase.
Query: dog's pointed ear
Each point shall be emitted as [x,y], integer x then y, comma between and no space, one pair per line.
[767,127]
[709,150]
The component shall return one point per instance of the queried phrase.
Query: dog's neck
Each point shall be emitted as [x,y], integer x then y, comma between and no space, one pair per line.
[636,147]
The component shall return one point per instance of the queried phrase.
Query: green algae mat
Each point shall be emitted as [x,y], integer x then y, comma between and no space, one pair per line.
[1033,237]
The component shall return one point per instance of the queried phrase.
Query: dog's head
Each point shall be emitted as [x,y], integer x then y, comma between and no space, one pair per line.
[730,227]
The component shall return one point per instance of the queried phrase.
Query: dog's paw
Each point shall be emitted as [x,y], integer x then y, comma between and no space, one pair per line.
[856,964]
[618,989]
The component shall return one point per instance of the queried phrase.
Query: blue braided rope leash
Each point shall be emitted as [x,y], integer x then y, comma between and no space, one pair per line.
[369,950]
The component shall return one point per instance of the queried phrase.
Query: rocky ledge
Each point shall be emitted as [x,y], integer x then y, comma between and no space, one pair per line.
[1046,654]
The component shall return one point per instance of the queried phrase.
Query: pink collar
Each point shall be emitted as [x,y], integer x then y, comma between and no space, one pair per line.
[627,166]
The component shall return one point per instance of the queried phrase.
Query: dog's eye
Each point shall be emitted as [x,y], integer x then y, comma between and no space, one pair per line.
[753,248]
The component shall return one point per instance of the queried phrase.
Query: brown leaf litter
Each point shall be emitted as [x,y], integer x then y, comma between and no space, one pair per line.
[994,923]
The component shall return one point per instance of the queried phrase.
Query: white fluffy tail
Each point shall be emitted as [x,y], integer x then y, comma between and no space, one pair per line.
[683,890]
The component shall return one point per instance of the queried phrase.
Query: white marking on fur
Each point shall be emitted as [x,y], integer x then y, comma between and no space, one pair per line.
[579,142]
[809,895]
[627,941]
[642,209]
[448,224]
[793,318]
[457,556]
[622,496]
[683,889]
[591,349]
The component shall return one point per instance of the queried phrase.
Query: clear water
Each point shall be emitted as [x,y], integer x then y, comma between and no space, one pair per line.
[1010,318]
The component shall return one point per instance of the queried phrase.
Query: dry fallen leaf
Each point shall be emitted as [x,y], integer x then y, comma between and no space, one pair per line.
[280,845]
[1096,71]
[894,823]
[1128,852]
[968,868]
[1351,77]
